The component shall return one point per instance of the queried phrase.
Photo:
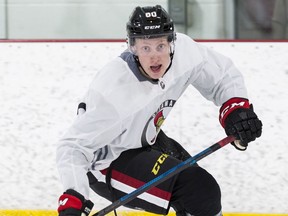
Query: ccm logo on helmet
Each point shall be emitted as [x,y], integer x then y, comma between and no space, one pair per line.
[152,27]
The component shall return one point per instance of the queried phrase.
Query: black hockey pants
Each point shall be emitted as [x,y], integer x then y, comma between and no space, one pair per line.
[193,191]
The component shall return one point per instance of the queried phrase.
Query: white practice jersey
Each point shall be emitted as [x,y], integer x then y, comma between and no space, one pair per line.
[125,110]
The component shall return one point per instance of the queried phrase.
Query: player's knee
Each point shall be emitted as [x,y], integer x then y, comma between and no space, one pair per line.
[197,192]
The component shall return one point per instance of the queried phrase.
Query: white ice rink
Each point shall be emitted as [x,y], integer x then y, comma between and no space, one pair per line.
[40,87]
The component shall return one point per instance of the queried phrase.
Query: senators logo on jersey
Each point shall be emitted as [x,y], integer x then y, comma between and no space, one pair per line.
[155,122]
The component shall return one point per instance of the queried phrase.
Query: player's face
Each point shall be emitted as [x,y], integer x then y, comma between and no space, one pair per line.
[154,55]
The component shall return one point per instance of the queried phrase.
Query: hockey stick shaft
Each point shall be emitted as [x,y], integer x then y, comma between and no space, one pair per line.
[164,176]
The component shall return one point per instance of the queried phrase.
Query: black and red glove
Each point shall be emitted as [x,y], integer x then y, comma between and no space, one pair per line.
[238,118]
[72,203]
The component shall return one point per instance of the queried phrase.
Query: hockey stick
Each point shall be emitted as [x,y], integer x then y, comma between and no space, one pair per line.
[164,176]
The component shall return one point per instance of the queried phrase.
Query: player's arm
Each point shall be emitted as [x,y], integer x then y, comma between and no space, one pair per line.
[72,163]
[92,129]
[221,82]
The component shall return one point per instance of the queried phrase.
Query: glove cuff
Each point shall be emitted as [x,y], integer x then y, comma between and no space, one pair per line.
[231,105]
[73,203]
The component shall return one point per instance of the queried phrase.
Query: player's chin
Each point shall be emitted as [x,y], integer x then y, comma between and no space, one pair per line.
[156,75]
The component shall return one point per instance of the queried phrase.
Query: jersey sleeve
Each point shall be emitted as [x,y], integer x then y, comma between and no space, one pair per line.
[217,78]
[92,130]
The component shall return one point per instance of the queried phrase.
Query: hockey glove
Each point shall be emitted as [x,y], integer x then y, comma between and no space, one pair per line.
[72,203]
[238,119]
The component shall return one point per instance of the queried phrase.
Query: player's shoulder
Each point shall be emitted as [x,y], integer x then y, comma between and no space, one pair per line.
[114,75]
[112,70]
[184,38]
[187,49]
[185,43]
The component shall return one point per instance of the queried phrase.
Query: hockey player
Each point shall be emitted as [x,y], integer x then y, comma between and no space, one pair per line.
[116,143]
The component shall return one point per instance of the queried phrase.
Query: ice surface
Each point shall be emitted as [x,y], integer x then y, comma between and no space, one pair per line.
[40,87]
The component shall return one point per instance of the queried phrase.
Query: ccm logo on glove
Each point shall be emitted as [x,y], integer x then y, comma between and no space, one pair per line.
[63,202]
[230,105]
